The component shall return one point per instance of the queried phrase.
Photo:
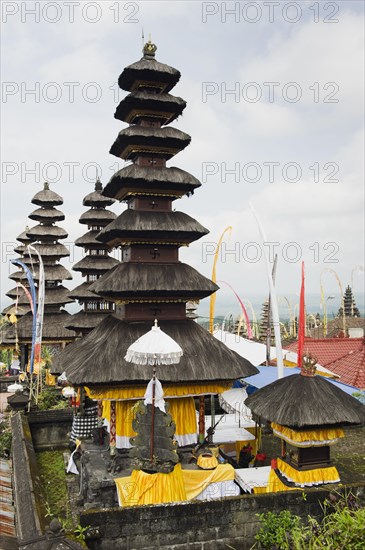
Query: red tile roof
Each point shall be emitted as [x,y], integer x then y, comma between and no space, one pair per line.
[343,356]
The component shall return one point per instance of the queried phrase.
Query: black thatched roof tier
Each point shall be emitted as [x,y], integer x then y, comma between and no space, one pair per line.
[47,233]
[148,70]
[82,293]
[141,280]
[53,327]
[163,107]
[19,311]
[302,401]
[95,264]
[96,198]
[46,197]
[98,216]
[85,320]
[14,292]
[134,140]
[47,215]
[20,248]
[51,273]
[88,240]
[56,295]
[98,358]
[23,237]
[139,179]
[48,251]
[143,226]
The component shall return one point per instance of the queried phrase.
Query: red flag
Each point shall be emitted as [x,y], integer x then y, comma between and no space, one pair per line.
[301,326]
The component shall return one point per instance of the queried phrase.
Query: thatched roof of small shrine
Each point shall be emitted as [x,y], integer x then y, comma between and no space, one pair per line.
[96,198]
[303,401]
[88,240]
[142,226]
[47,214]
[137,280]
[97,216]
[53,327]
[46,197]
[83,293]
[47,232]
[23,237]
[49,250]
[144,138]
[148,69]
[164,106]
[95,264]
[98,358]
[55,272]
[141,178]
[85,320]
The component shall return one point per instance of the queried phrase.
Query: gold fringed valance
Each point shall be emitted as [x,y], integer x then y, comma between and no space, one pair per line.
[307,478]
[137,392]
[308,438]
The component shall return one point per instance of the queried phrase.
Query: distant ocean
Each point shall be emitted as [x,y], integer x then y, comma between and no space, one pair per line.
[313,305]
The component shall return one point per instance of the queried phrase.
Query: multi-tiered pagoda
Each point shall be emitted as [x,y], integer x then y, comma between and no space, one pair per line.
[45,238]
[95,263]
[151,282]
[21,302]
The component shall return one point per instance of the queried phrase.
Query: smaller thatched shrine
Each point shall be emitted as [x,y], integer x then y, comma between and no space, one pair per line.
[45,238]
[95,262]
[307,412]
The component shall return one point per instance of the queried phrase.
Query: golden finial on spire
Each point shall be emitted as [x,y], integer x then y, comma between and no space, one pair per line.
[149,49]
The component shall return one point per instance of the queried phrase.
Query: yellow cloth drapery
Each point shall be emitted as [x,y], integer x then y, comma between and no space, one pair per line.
[182,411]
[306,478]
[142,488]
[124,416]
[275,484]
[196,481]
[308,438]
[137,392]
[183,414]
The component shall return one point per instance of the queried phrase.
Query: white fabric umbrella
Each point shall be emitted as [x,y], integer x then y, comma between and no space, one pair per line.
[15,387]
[233,401]
[68,391]
[154,348]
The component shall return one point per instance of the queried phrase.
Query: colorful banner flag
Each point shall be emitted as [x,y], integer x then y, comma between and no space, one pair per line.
[273,300]
[40,308]
[33,295]
[244,311]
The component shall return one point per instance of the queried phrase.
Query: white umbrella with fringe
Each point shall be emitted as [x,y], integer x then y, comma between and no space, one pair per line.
[154,348]
[233,401]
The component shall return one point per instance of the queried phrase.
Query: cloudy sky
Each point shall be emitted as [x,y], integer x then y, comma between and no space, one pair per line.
[275,111]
